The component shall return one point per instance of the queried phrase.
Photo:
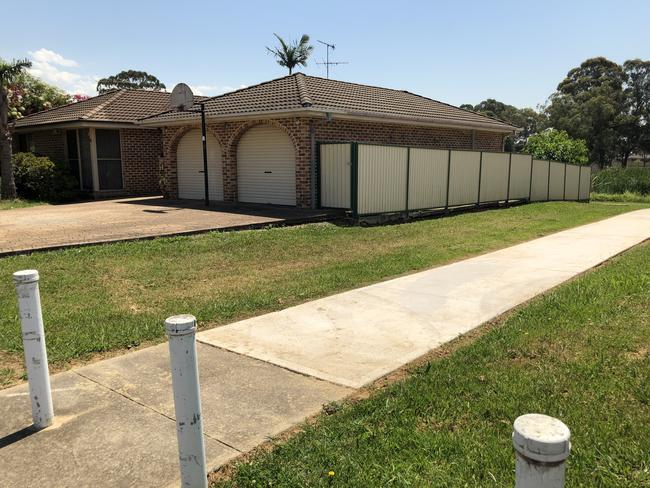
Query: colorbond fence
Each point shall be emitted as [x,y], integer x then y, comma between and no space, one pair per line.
[373,179]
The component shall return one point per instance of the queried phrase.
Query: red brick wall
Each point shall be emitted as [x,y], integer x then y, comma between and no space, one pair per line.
[229,133]
[50,143]
[141,152]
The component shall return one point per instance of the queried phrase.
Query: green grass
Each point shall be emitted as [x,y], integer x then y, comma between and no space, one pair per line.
[580,353]
[19,203]
[104,298]
[627,197]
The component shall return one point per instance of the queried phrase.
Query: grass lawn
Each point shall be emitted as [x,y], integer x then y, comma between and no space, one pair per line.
[106,298]
[580,353]
[19,203]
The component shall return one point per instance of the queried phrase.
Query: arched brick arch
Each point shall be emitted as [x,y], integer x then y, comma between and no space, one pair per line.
[169,172]
[298,134]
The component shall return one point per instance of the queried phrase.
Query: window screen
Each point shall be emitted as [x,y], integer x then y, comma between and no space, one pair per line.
[109,159]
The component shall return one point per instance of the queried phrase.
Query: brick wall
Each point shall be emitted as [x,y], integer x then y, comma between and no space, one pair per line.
[229,133]
[50,143]
[141,152]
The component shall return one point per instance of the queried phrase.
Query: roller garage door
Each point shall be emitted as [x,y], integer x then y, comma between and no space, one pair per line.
[189,164]
[266,167]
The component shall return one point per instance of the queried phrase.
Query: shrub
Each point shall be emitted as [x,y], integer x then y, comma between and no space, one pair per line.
[619,180]
[558,146]
[40,178]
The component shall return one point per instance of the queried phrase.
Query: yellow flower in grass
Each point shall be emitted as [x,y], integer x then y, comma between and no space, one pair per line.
[330,473]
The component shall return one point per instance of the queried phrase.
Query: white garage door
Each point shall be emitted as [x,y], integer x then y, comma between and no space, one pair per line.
[266,167]
[189,163]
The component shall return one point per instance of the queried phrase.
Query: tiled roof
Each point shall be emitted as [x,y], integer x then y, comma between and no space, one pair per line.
[302,92]
[122,106]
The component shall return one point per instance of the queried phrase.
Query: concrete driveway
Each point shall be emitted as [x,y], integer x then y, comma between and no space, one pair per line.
[55,226]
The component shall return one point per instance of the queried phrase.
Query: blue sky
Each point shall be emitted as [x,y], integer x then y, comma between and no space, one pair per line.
[457,52]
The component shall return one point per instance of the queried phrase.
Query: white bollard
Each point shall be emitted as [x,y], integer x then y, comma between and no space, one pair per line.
[38,373]
[542,444]
[181,330]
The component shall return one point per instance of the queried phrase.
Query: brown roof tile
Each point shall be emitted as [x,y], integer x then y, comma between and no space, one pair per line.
[122,106]
[299,91]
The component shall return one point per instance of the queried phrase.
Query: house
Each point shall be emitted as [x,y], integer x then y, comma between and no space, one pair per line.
[262,140]
[107,151]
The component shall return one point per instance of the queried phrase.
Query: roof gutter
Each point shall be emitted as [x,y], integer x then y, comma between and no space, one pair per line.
[331,113]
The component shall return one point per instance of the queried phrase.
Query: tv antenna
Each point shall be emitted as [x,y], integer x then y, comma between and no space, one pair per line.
[327,63]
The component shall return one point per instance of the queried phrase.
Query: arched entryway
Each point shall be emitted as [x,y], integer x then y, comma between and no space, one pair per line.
[189,167]
[266,166]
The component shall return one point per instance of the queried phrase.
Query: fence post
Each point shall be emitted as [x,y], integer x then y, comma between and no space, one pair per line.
[530,183]
[480,174]
[548,182]
[31,319]
[354,178]
[448,178]
[509,171]
[542,444]
[408,175]
[579,178]
[564,190]
[181,330]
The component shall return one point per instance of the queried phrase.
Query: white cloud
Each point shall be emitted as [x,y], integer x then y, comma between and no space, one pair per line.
[49,66]
[46,56]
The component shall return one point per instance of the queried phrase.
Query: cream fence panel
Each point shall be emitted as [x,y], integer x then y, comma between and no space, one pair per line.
[428,178]
[572,177]
[539,189]
[335,175]
[463,177]
[494,177]
[585,182]
[556,190]
[382,179]
[520,176]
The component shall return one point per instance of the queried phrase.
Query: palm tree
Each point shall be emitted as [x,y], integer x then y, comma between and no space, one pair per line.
[292,54]
[8,73]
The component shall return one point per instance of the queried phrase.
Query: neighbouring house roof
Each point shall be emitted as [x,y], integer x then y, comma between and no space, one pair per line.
[302,93]
[117,106]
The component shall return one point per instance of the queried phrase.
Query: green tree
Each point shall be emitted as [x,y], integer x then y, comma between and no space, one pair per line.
[27,95]
[557,145]
[528,120]
[635,128]
[9,72]
[589,104]
[130,79]
[292,54]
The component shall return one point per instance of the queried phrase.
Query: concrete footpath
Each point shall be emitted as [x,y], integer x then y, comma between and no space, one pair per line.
[115,418]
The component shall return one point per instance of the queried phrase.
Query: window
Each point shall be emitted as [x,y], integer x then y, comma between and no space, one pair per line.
[109,159]
[73,152]
[25,143]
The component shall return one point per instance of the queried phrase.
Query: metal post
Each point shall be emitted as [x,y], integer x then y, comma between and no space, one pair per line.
[38,374]
[408,177]
[509,171]
[448,178]
[542,444]
[480,173]
[205,156]
[530,183]
[548,182]
[181,330]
